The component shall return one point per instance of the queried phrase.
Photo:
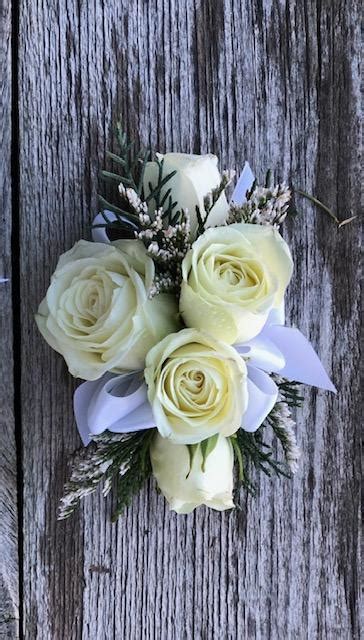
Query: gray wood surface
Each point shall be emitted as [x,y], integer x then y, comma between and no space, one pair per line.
[270,81]
[9,571]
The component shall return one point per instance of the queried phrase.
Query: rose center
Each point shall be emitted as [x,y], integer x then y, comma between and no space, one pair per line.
[241,273]
[193,381]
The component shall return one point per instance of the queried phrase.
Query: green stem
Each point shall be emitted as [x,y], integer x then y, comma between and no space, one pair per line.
[319,204]
[239,457]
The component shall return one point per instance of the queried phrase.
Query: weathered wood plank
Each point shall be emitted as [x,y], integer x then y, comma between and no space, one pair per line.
[9,598]
[273,82]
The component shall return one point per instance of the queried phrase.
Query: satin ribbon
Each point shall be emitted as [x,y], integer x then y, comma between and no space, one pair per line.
[120,404]
[244,184]
[116,403]
[281,350]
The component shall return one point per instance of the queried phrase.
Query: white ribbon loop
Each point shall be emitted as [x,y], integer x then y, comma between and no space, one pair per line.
[115,399]
[116,403]
[260,352]
[276,316]
[302,363]
[263,394]
[281,350]
[244,183]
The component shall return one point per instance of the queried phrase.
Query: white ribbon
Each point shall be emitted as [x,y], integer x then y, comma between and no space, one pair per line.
[116,403]
[120,404]
[281,350]
[262,396]
[4,280]
[262,354]
[243,185]
[301,362]
[99,233]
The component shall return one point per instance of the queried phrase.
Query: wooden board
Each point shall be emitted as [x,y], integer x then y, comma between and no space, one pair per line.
[273,82]
[9,571]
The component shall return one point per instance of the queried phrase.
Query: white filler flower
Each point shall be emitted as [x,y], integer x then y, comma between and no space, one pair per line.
[97,313]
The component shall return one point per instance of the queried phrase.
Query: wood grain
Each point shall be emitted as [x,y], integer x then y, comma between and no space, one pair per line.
[9,570]
[271,81]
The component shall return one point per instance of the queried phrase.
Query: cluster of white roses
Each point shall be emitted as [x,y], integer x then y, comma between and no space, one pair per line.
[98,314]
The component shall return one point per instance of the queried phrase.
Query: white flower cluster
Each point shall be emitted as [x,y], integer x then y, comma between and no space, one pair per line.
[286,426]
[87,472]
[264,206]
[167,246]
[134,200]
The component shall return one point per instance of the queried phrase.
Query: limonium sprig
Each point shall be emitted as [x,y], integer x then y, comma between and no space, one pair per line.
[266,206]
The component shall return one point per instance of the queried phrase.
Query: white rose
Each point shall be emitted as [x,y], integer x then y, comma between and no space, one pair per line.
[196,177]
[197,387]
[186,487]
[96,312]
[232,278]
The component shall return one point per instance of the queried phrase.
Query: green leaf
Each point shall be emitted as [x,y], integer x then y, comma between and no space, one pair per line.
[121,213]
[268,178]
[116,158]
[192,450]
[108,176]
[207,447]
[199,219]
[143,160]
[238,456]
[155,191]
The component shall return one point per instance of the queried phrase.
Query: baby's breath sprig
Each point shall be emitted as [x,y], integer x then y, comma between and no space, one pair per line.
[264,205]
[167,246]
[281,421]
[324,207]
[122,458]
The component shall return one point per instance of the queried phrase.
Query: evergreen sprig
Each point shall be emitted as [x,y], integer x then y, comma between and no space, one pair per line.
[250,449]
[280,420]
[110,457]
[131,162]
[159,199]
[289,391]
[130,165]
[209,202]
